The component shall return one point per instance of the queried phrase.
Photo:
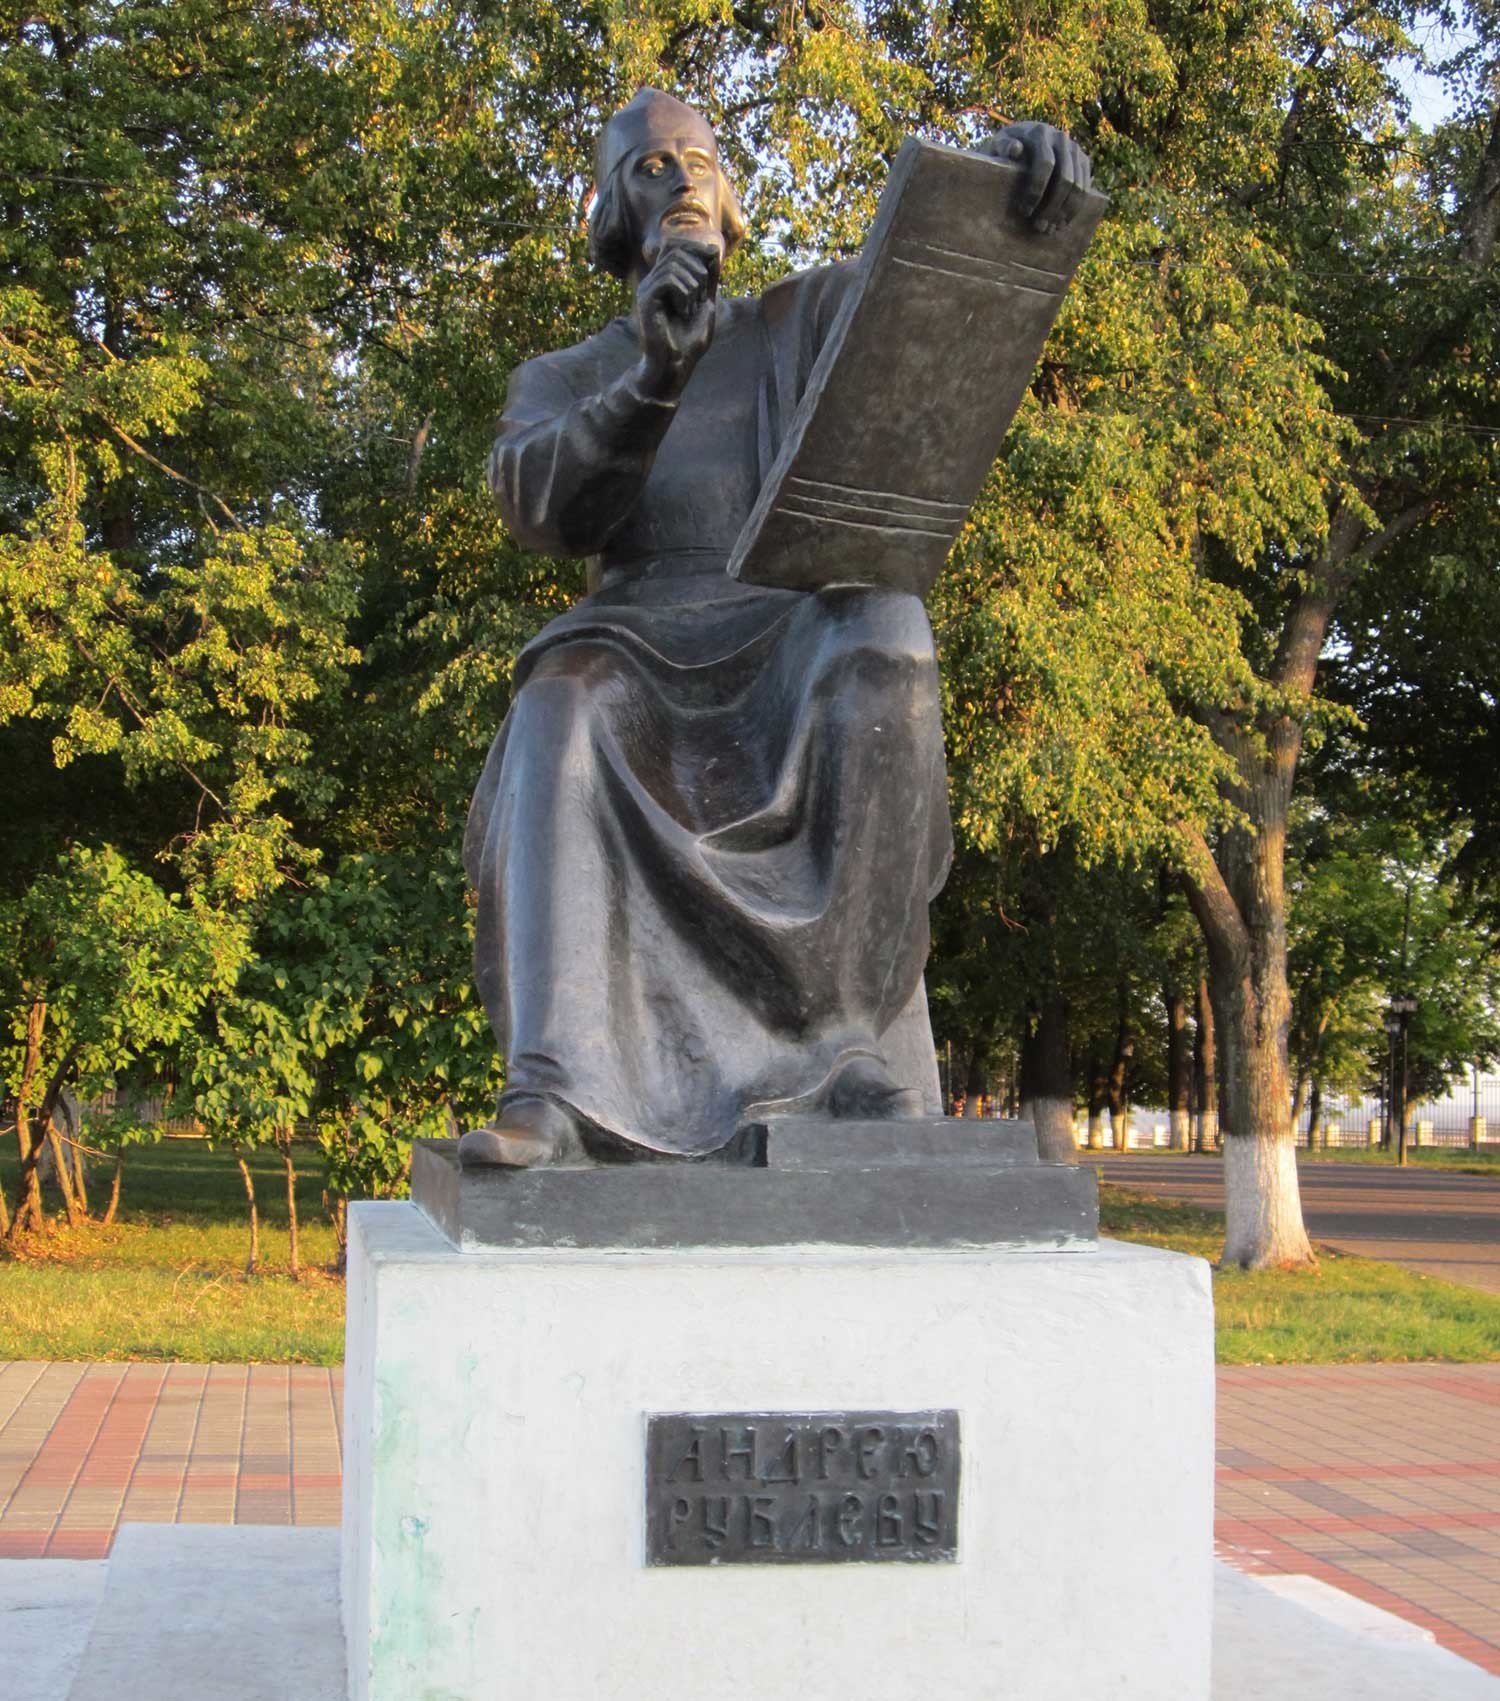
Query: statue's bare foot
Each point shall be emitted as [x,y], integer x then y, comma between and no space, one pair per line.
[863,1091]
[526,1131]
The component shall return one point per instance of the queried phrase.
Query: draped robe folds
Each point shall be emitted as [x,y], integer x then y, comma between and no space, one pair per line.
[706,836]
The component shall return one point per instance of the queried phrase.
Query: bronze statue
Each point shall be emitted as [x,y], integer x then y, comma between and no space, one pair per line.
[706,837]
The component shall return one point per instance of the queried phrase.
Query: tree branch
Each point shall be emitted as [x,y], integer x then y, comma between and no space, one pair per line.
[1481,220]
[414,459]
[171,472]
[1253,193]
[1210,899]
[1351,545]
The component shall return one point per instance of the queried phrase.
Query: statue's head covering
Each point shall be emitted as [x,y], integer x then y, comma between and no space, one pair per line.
[651,119]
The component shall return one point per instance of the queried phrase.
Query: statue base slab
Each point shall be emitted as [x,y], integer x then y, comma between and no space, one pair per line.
[939,1182]
[498,1477]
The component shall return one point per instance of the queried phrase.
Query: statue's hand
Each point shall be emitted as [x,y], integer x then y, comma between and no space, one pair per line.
[1057,171]
[675,305]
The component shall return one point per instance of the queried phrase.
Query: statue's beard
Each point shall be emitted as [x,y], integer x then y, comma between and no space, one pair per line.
[702,232]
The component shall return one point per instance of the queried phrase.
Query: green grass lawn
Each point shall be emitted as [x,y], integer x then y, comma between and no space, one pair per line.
[1348,1310]
[1486,1161]
[167,1281]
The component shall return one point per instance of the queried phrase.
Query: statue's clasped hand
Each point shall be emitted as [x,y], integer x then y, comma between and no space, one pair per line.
[1057,171]
[675,306]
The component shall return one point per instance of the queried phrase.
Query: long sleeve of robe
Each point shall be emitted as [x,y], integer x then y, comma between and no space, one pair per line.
[706,836]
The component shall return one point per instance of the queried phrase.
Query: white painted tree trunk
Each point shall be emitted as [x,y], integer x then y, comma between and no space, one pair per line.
[1243,912]
[1263,1216]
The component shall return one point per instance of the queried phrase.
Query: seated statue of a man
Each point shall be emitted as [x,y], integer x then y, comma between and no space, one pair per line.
[707,834]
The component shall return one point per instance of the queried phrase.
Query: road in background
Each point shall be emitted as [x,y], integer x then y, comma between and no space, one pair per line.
[1437,1222]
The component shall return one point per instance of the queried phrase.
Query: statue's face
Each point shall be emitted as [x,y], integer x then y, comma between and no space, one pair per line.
[673,190]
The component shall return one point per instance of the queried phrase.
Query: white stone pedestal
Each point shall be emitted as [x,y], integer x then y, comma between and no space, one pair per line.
[495,1406]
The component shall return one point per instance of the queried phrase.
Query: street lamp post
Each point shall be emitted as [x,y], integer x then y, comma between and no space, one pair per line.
[1397,1025]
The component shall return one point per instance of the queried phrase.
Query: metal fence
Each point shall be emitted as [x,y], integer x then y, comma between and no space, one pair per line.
[1148,1130]
[1468,1108]
[1452,1121]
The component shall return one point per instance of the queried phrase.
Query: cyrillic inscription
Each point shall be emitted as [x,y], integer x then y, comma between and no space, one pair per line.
[758,1488]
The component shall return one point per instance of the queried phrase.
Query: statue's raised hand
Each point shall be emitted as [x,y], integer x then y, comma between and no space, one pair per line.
[675,305]
[1057,171]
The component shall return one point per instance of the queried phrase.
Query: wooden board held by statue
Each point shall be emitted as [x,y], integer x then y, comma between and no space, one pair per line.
[918,382]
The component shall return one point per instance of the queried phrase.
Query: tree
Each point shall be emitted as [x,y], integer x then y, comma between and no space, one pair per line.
[1345,919]
[252,592]
[1264,186]
[1393,487]
[100,965]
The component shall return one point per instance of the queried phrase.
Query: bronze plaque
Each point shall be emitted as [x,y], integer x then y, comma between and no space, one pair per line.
[801,1488]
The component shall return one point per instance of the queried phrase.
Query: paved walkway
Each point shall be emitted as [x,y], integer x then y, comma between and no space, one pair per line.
[83,1447]
[1383,1480]
[1437,1222]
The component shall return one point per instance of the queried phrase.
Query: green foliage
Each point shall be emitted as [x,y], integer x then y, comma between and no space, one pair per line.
[115,966]
[263,275]
[1372,916]
[357,1018]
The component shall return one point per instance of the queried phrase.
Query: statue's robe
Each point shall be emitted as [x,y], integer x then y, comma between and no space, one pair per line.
[707,834]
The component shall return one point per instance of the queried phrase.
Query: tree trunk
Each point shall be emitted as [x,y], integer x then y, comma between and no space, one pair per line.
[71,1112]
[114,1189]
[1240,902]
[39,1121]
[1238,895]
[339,1214]
[1179,1069]
[1206,1069]
[1098,1099]
[291,1205]
[1119,1074]
[974,1081]
[1263,1209]
[1316,1140]
[252,1262]
[1047,1080]
[28,1206]
[62,1169]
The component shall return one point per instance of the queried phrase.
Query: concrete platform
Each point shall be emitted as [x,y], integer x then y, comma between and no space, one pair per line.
[1318,1644]
[246,1613]
[46,1609]
[216,1615]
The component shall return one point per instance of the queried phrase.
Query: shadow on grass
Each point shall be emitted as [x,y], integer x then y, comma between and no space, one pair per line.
[190,1181]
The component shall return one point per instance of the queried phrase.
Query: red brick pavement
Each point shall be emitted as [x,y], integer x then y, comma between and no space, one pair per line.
[83,1447]
[1383,1480]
